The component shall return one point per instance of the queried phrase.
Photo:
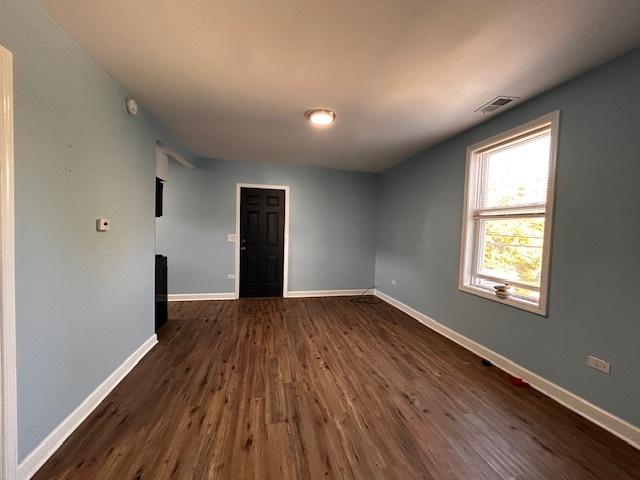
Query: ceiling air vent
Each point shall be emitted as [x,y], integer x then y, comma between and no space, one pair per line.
[495,104]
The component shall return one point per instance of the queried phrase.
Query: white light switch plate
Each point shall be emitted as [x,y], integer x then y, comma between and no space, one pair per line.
[231,237]
[231,276]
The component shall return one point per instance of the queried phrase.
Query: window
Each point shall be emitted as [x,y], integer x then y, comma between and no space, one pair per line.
[506,231]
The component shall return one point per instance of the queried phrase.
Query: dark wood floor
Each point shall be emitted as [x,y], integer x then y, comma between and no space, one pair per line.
[326,388]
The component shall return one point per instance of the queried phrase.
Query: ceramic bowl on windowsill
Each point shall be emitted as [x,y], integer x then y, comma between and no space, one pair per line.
[503,290]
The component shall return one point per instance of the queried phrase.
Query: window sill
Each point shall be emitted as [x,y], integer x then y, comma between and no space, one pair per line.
[513,302]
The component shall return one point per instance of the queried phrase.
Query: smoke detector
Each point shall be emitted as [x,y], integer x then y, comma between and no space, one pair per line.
[131,105]
[495,104]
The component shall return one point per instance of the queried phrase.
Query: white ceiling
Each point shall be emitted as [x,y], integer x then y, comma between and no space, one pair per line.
[233,78]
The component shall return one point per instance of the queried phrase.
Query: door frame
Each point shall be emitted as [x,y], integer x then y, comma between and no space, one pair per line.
[8,387]
[285,261]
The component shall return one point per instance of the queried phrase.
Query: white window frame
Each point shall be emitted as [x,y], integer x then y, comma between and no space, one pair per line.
[472,216]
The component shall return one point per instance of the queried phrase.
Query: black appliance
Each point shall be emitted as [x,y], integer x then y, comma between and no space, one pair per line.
[159,187]
[162,307]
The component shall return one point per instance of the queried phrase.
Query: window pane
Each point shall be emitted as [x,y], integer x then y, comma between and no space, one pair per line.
[516,174]
[511,249]
[526,293]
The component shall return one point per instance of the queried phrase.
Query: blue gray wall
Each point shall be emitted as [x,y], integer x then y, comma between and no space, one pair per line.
[331,232]
[84,299]
[595,265]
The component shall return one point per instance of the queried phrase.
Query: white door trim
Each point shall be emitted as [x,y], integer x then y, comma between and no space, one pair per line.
[285,262]
[8,394]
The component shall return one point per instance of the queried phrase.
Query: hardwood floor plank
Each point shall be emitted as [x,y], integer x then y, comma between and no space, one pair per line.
[316,388]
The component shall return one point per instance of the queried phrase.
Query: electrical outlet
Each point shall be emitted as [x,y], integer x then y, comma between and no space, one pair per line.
[599,364]
[103,224]
[231,276]
[231,237]
[393,281]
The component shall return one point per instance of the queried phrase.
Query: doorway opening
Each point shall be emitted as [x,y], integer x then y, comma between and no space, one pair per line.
[262,240]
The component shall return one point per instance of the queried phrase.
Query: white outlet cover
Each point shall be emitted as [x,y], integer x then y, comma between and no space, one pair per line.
[103,224]
[231,237]
[599,364]
[231,276]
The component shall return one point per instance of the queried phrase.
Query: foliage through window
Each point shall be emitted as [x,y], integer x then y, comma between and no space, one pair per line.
[506,229]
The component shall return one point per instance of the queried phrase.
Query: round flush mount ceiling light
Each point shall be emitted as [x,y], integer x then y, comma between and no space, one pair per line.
[320,117]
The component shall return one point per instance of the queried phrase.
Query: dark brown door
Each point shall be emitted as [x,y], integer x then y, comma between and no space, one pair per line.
[261,242]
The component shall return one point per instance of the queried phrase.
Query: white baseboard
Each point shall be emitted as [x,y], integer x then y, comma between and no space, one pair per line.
[39,455]
[616,425]
[327,293]
[191,297]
